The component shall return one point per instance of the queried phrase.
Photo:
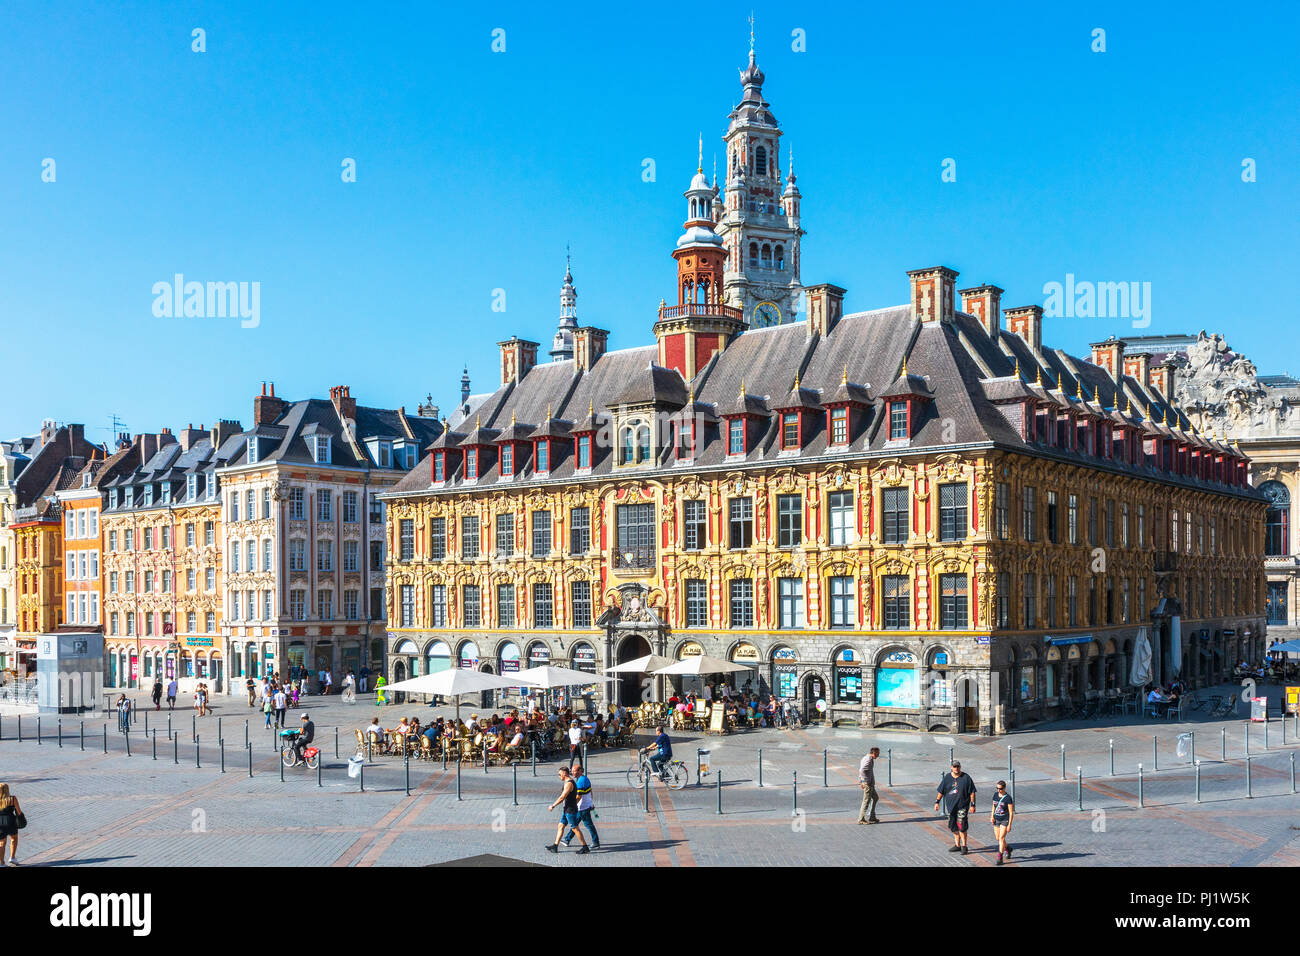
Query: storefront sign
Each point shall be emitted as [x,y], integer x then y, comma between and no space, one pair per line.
[198,642]
[848,685]
[1070,639]
[785,654]
[785,676]
[690,649]
[1259,709]
[1229,631]
[745,653]
[981,638]
[1293,700]
[900,657]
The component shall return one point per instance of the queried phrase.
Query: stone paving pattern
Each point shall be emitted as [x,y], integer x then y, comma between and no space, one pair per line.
[89,808]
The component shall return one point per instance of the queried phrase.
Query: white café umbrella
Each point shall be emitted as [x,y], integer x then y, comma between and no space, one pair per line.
[641,665]
[548,677]
[703,664]
[452,683]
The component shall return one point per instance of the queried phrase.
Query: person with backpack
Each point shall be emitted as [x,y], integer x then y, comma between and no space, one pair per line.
[157,693]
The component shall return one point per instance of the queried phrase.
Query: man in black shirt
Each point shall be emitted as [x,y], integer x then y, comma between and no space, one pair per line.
[305,736]
[957,790]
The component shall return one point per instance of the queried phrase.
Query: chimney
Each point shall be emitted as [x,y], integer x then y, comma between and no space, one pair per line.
[48,431]
[344,403]
[1110,356]
[1026,321]
[76,437]
[932,294]
[267,408]
[589,344]
[223,430]
[1139,367]
[985,303]
[517,357]
[191,436]
[426,409]
[1162,380]
[825,308]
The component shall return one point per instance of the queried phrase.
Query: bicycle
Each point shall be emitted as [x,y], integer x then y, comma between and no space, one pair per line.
[674,774]
[1192,700]
[289,756]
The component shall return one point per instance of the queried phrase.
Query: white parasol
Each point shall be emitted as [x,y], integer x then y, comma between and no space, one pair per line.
[703,664]
[642,665]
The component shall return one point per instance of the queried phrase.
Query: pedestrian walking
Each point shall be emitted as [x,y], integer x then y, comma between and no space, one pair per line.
[380,684]
[1001,815]
[329,683]
[268,708]
[586,807]
[569,814]
[171,694]
[11,821]
[957,792]
[157,693]
[281,704]
[252,691]
[123,713]
[867,781]
[350,689]
[365,679]
[575,741]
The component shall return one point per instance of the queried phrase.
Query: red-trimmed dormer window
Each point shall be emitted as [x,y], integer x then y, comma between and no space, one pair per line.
[439,466]
[542,456]
[584,451]
[507,459]
[736,436]
[471,462]
[685,447]
[900,425]
[839,426]
[790,430]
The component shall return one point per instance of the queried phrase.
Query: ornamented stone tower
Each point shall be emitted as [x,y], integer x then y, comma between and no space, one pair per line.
[760,222]
[562,344]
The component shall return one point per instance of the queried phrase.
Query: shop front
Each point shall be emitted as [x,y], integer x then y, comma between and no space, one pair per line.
[690,683]
[752,681]
[785,673]
[846,679]
[897,689]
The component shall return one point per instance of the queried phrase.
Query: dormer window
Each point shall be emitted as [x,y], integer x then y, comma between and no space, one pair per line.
[85,481]
[320,451]
[212,486]
[252,450]
[440,466]
[192,487]
[166,493]
[736,436]
[148,495]
[839,426]
[471,463]
[686,439]
[634,448]
[898,420]
[507,459]
[542,456]
[385,457]
[789,431]
[584,451]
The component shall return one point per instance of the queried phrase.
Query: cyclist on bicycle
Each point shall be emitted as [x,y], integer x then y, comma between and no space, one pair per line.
[304,738]
[663,748]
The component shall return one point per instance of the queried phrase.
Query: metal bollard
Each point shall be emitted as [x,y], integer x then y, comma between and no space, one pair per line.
[825,781]
[221,743]
[169,726]
[1248,793]
[1155,754]
[1193,744]
[1266,733]
[127,735]
[794,788]
[1079,771]
[1062,761]
[194,726]
[362,777]
[1246,733]
[196,753]
[889,765]
[220,735]
[246,741]
[1140,804]
[1293,771]
[1010,768]
[485,759]
[1012,785]
[319,764]
[718,787]
[645,787]
[83,736]
[155,743]
[584,757]
[760,766]
[1198,781]
[249,748]
[407,762]
[336,743]
[281,763]
[106,738]
[699,778]
[458,796]
[20,729]
[60,734]
[38,731]
[534,758]
[176,750]
[515,767]
[1112,757]
[1223,744]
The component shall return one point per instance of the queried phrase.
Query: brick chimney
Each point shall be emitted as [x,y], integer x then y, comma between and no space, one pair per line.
[1109,355]
[1026,321]
[1162,380]
[825,308]
[932,294]
[1138,366]
[267,408]
[517,357]
[985,303]
[76,437]
[426,409]
[191,436]
[589,344]
[344,403]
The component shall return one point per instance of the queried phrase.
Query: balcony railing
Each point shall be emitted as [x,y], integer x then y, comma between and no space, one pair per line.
[634,559]
[695,308]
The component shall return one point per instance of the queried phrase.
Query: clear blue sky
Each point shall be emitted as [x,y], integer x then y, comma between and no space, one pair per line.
[475,168]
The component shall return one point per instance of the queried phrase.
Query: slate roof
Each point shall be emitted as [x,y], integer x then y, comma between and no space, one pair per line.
[962,371]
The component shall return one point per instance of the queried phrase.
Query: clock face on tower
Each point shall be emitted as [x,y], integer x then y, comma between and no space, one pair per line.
[765,314]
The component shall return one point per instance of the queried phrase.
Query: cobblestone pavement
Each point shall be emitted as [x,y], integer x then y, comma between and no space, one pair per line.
[91,808]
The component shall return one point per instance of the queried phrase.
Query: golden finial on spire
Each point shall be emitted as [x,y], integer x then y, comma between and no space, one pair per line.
[796,381]
[700,167]
[1078,392]
[477,420]
[1164,420]
[1038,376]
[904,372]
[1017,372]
[1128,408]
[591,407]
[512,418]
[691,395]
[548,411]
[844,378]
[742,389]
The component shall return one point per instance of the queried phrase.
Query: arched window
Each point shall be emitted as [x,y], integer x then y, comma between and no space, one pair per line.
[694,210]
[643,443]
[760,160]
[1276,521]
[753,254]
[625,449]
[767,256]
[780,257]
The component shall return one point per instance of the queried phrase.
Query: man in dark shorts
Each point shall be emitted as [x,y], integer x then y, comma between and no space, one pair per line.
[957,791]
[569,815]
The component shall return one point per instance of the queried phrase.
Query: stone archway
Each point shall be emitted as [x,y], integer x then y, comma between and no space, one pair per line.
[629,685]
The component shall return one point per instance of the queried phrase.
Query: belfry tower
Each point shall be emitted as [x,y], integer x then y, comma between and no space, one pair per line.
[759,223]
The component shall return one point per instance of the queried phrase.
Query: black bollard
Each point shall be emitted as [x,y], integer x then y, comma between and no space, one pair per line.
[245,733]
[1079,771]
[106,738]
[485,759]
[249,748]
[407,762]
[127,735]
[718,787]
[38,731]
[515,768]
[196,751]
[760,766]
[221,743]
[1140,803]
[794,788]
[319,783]
[1248,793]
[60,734]
[155,743]
[645,788]
[20,728]
[169,726]
[362,775]
[534,758]
[281,763]
[1198,781]
[825,779]
[176,749]
[194,726]
[1155,753]
[458,797]
[889,766]
[336,743]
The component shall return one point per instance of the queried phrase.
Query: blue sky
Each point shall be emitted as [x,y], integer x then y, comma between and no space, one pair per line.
[474,169]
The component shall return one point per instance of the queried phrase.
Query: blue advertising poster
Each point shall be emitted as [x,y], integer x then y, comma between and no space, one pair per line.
[897,687]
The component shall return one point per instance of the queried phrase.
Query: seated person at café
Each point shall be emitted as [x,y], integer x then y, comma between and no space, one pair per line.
[403,727]
[473,724]
[415,725]
[674,700]
[600,731]
[432,731]
[375,729]
[753,711]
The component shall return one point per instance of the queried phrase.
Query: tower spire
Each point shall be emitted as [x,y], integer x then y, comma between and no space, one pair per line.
[562,343]
[699,168]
